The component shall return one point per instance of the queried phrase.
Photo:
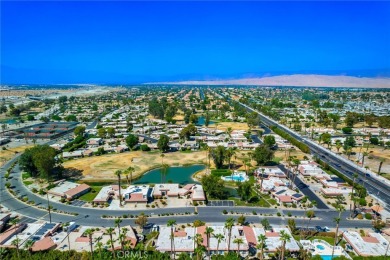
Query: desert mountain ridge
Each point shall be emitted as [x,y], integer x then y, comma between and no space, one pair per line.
[298,80]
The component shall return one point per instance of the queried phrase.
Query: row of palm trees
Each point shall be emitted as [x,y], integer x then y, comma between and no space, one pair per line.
[121,238]
[199,248]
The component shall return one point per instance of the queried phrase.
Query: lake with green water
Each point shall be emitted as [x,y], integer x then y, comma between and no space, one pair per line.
[180,174]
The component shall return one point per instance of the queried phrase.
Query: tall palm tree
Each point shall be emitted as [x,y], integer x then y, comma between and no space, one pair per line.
[209,232]
[364,155]
[14,222]
[262,178]
[16,243]
[171,223]
[220,237]
[229,223]
[129,171]
[118,174]
[310,214]
[99,245]
[381,161]
[28,245]
[124,233]
[198,243]
[337,220]
[89,233]
[284,237]
[164,171]
[261,245]
[118,222]
[110,231]
[354,176]
[238,241]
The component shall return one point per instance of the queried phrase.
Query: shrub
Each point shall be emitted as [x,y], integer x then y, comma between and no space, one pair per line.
[368,216]
[278,214]
[225,211]
[359,216]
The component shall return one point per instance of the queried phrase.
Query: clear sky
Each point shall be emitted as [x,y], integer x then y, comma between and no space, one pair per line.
[125,42]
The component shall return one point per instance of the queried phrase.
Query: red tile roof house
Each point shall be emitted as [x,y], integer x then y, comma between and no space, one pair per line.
[284,199]
[43,245]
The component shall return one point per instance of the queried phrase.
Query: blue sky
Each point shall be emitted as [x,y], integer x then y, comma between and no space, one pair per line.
[126,42]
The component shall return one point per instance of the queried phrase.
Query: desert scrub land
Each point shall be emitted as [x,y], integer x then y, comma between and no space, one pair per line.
[103,167]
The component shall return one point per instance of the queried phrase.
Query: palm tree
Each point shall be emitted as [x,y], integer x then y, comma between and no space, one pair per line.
[118,222]
[364,155]
[118,174]
[340,209]
[164,171]
[171,223]
[111,243]
[129,171]
[354,176]
[89,233]
[261,239]
[209,232]
[381,161]
[28,245]
[198,245]
[229,223]
[16,243]
[284,237]
[238,241]
[110,231]
[310,214]
[99,245]
[14,222]
[262,178]
[220,237]
[124,232]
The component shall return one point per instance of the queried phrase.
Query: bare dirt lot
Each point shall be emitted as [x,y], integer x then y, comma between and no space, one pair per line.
[6,155]
[103,167]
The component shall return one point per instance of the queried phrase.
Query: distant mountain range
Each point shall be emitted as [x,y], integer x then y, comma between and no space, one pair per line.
[298,80]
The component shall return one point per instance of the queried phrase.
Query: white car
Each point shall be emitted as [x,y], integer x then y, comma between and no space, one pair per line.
[326,229]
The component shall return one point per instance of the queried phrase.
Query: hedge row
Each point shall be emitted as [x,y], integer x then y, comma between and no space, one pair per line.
[221,172]
[303,147]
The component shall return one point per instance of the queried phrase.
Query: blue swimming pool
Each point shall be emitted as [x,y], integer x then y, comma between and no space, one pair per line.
[328,257]
[320,247]
[234,178]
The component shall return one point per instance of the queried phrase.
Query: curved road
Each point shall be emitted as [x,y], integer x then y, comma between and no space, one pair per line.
[93,216]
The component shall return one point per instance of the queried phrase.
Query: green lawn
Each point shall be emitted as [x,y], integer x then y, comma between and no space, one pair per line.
[25,175]
[92,194]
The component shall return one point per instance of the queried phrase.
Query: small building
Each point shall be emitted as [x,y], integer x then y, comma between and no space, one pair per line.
[69,190]
[372,245]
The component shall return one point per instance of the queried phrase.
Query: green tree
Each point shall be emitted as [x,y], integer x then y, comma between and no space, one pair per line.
[131,141]
[188,131]
[269,140]
[284,237]
[163,143]
[194,119]
[219,156]
[244,190]
[263,154]
[214,187]
[79,130]
[171,223]
[265,223]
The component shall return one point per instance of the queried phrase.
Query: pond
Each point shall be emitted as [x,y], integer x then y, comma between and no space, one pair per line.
[180,174]
[202,119]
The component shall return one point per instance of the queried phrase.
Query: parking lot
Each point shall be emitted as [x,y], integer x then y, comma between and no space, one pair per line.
[78,203]
[221,203]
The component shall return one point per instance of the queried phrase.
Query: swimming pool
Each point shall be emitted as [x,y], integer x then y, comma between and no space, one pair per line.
[320,247]
[234,178]
[328,257]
